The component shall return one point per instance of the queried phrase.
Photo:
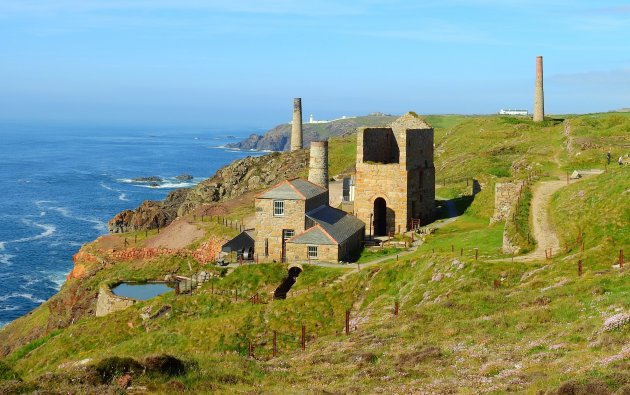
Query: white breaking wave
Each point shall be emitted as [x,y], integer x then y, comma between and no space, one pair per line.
[26,296]
[57,278]
[99,225]
[108,187]
[5,259]
[2,243]
[167,185]
[49,230]
[123,197]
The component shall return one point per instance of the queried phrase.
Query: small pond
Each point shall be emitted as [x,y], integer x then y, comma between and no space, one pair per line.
[141,291]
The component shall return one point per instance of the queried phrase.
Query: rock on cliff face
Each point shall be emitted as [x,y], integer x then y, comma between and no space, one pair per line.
[239,177]
[246,175]
[277,139]
[150,215]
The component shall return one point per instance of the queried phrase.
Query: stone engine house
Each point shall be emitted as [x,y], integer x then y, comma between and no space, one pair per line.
[395,176]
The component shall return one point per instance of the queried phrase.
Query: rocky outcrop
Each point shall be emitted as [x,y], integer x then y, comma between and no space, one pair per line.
[150,215]
[246,175]
[277,139]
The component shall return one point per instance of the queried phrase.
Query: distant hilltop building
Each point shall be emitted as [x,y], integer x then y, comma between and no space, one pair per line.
[312,120]
[514,112]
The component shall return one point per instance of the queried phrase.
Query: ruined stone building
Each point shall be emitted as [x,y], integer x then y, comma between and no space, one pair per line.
[394,184]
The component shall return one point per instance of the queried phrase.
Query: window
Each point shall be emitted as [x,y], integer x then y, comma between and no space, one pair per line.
[278,208]
[312,252]
[287,233]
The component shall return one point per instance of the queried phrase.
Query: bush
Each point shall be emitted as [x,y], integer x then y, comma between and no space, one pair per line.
[6,373]
[109,368]
[166,365]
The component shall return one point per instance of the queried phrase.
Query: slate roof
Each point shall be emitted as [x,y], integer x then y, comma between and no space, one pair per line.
[331,224]
[313,235]
[295,189]
[242,241]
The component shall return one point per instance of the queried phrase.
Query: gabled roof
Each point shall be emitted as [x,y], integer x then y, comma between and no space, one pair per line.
[338,224]
[314,235]
[294,189]
[242,241]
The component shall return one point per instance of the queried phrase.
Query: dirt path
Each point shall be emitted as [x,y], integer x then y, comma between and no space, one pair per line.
[544,232]
[178,234]
[543,229]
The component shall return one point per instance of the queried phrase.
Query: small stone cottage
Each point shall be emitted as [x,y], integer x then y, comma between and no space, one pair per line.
[295,223]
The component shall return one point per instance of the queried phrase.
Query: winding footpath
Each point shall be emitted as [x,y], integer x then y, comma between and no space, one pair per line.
[543,229]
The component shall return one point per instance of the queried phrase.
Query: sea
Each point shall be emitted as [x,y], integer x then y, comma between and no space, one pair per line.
[59,185]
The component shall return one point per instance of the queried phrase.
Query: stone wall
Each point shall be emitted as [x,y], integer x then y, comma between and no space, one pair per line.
[505,195]
[107,302]
[269,227]
[408,184]
[325,253]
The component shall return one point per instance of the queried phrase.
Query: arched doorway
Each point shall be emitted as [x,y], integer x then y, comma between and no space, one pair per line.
[380,217]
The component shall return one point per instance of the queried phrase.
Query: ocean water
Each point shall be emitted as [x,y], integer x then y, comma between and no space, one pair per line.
[60,185]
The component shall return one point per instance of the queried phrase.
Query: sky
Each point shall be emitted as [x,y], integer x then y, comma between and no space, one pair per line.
[239,64]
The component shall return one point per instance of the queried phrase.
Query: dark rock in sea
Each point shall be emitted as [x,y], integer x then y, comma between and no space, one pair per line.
[184,177]
[147,179]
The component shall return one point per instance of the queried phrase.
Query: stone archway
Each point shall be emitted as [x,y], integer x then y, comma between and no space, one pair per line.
[380,217]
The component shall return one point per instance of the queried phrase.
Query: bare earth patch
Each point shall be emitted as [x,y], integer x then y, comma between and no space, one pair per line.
[178,234]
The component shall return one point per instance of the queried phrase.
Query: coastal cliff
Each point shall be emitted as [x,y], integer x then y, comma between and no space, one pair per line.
[277,139]
[239,177]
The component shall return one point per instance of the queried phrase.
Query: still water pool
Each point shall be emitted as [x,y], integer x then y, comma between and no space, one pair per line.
[141,291]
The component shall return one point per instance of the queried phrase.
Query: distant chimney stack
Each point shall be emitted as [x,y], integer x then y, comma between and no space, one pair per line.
[296,127]
[539,96]
[318,163]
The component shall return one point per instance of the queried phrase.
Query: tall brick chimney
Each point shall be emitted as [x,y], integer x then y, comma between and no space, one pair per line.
[296,127]
[539,96]
[318,164]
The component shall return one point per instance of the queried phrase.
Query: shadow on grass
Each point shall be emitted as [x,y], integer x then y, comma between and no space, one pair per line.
[452,207]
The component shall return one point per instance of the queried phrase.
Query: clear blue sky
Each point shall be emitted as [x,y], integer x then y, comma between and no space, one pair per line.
[240,63]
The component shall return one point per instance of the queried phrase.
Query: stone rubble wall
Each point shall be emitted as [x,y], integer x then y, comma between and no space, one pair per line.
[107,302]
[505,196]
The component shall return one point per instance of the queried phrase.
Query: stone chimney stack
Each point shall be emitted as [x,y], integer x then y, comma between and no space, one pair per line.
[318,163]
[296,127]
[539,96]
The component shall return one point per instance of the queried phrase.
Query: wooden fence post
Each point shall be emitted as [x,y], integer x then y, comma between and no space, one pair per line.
[476,253]
[580,268]
[274,344]
[396,309]
[347,322]
[303,337]
[621,259]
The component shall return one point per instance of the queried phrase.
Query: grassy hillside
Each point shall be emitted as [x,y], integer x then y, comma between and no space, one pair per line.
[466,323]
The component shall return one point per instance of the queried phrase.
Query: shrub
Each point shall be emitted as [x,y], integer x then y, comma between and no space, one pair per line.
[109,368]
[166,365]
[6,373]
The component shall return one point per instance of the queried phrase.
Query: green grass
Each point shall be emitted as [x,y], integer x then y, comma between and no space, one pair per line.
[595,210]
[539,328]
